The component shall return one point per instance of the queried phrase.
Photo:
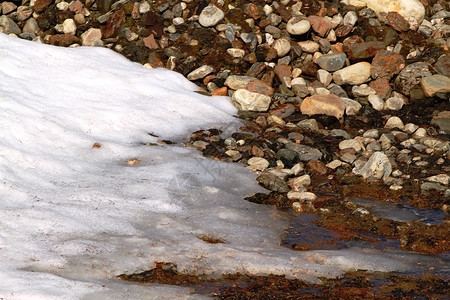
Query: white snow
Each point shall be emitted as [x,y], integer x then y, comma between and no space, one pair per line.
[73,217]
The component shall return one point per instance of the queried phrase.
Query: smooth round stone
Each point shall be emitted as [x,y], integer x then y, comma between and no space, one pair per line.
[332,62]
[210,16]
[282,46]
[298,25]
[301,196]
[356,74]
[309,46]
[394,103]
[376,102]
[258,163]
[394,122]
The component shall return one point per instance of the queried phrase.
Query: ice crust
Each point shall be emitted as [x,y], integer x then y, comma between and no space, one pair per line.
[72,217]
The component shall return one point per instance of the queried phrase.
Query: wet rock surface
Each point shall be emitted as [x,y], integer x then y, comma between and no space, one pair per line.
[340,100]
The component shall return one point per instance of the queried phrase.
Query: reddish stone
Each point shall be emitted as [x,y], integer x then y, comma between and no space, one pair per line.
[363,50]
[344,30]
[320,25]
[253,11]
[114,23]
[220,91]
[283,111]
[442,66]
[317,167]
[386,64]
[330,105]
[63,40]
[268,77]
[284,12]
[382,87]
[256,69]
[397,21]
[41,5]
[208,79]
[259,86]
[283,71]
[310,69]
[155,61]
[150,42]
[76,7]
[264,23]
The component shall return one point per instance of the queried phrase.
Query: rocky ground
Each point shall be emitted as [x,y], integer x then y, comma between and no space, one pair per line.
[346,110]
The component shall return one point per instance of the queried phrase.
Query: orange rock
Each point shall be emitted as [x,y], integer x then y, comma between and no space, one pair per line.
[220,91]
[330,105]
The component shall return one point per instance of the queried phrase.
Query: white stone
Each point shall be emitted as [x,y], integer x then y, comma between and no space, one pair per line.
[144,7]
[309,46]
[282,46]
[246,100]
[441,178]
[298,183]
[324,77]
[236,82]
[352,107]
[376,102]
[394,103]
[235,52]
[210,16]
[335,164]
[410,128]
[355,74]
[302,196]
[363,90]
[352,143]
[394,122]
[406,8]
[92,37]
[177,21]
[419,133]
[69,26]
[200,72]
[258,163]
[298,25]
[350,18]
[62,5]
[378,167]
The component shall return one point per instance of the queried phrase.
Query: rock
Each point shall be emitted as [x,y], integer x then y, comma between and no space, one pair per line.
[376,102]
[92,37]
[273,183]
[441,178]
[350,18]
[332,62]
[69,26]
[310,124]
[335,164]
[114,24]
[394,122]
[41,5]
[284,73]
[406,8]
[31,26]
[442,65]
[258,163]
[301,196]
[411,76]
[352,107]
[8,7]
[236,53]
[249,101]
[298,25]
[363,51]
[386,64]
[305,153]
[378,167]
[200,72]
[351,143]
[236,82]
[363,90]
[23,13]
[355,74]
[435,84]
[394,103]
[341,133]
[330,105]
[210,16]
[7,26]
[324,77]
[63,40]
[442,121]
[288,157]
[381,87]
[259,86]
[282,46]
[320,25]
[397,21]
[432,186]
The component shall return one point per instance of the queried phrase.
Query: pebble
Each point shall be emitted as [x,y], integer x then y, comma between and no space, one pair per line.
[363,90]
[411,76]
[305,153]
[356,74]
[376,102]
[442,121]
[236,53]
[288,157]
[210,16]
[435,84]
[69,26]
[352,107]
[92,37]
[309,46]
[273,182]
[351,143]
[200,72]
[258,163]
[378,167]
[236,82]
[298,25]
[330,105]
[249,101]
[297,183]
[410,128]
[320,25]
[332,62]
[394,103]
[350,18]
[310,124]
[324,77]
[301,196]
[8,26]
[282,46]
[441,178]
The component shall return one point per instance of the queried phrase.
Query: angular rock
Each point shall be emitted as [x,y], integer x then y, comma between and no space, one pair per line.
[354,74]
[273,183]
[236,82]
[378,167]
[305,153]
[332,62]
[69,26]
[8,7]
[258,163]
[259,86]
[364,50]
[352,107]
[249,101]
[386,64]
[381,87]
[376,102]
[397,21]
[41,5]
[92,37]
[330,105]
[320,25]
[63,40]
[288,157]
[200,72]
[442,65]
[298,25]
[210,16]
[7,26]
[435,84]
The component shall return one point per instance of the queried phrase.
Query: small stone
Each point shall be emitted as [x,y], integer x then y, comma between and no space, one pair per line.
[305,153]
[419,133]
[352,107]
[432,186]
[355,74]
[330,105]
[442,121]
[352,143]
[236,82]
[8,7]
[31,26]
[376,102]
[258,163]
[341,133]
[332,62]
[309,46]
[7,26]
[282,46]
[297,183]
[69,26]
[288,157]
[41,5]
[310,124]
[249,101]
[363,50]
[442,65]
[92,37]
[394,103]
[324,77]
[378,167]
[441,178]
[259,86]
[210,16]
[298,25]
[374,146]
[397,21]
[320,25]
[273,183]
[381,86]
[411,76]
[394,122]
[350,18]
[63,40]
[236,53]
[200,72]
[301,196]
[363,90]
[386,64]
[435,84]
[335,164]
[410,128]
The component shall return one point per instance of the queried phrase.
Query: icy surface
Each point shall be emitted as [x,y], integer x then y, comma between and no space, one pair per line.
[73,217]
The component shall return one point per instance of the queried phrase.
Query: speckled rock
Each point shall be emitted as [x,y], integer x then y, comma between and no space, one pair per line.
[377,167]
[397,21]
[386,64]
[246,100]
[330,105]
[355,74]
[8,26]
[332,62]
[411,76]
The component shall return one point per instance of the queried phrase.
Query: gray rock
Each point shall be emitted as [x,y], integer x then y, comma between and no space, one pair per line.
[352,107]
[310,124]
[340,132]
[332,62]
[378,166]
[430,186]
[7,26]
[236,82]
[273,183]
[288,157]
[305,153]
[411,76]
[394,103]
